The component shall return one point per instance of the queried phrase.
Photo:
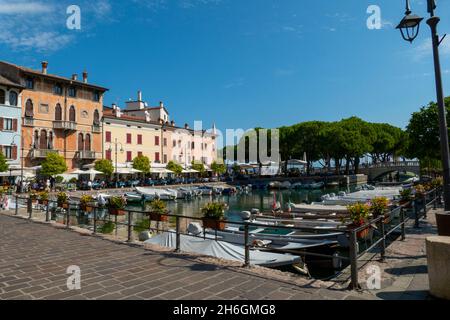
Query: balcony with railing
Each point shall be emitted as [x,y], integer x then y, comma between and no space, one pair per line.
[28,122]
[86,155]
[42,153]
[96,128]
[65,125]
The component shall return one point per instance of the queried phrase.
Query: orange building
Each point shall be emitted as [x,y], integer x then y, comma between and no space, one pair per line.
[59,114]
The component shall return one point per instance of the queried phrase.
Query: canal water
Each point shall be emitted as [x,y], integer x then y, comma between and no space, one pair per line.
[246,201]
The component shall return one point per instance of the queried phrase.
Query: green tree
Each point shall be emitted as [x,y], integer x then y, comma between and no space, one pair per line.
[423,133]
[105,166]
[3,163]
[218,168]
[53,165]
[175,167]
[142,163]
[199,166]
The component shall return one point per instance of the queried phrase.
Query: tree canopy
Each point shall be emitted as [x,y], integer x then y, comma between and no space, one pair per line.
[218,168]
[3,163]
[199,166]
[142,163]
[175,167]
[53,165]
[105,166]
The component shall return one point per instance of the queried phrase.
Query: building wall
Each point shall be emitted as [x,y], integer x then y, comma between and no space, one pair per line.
[66,142]
[7,137]
[120,128]
[181,141]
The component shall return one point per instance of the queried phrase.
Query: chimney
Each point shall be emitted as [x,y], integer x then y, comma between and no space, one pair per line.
[161,104]
[172,123]
[44,67]
[186,126]
[74,77]
[85,77]
[139,95]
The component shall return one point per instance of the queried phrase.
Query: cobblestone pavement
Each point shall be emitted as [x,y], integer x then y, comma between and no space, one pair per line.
[34,258]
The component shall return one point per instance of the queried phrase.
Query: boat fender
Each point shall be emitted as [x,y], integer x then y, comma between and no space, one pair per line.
[302,268]
[246,215]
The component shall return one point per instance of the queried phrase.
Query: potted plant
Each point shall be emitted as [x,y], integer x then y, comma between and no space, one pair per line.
[62,199]
[87,203]
[158,208]
[379,206]
[420,191]
[213,215]
[107,228]
[406,197]
[359,212]
[116,206]
[43,198]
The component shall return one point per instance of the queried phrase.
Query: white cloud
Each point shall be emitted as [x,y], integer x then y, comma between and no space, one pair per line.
[425,49]
[23,7]
[236,83]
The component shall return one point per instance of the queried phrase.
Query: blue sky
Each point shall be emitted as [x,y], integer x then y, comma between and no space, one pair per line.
[239,63]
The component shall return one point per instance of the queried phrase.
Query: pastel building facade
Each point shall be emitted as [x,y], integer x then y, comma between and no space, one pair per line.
[59,114]
[142,130]
[10,121]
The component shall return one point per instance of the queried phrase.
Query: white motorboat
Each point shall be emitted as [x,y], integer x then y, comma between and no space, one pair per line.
[313,185]
[163,194]
[318,208]
[224,250]
[365,195]
[280,185]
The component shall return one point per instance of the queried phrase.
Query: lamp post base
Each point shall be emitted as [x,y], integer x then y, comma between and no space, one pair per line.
[443,223]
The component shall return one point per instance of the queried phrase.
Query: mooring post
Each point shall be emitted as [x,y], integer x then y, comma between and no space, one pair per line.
[416,214]
[95,219]
[17,205]
[383,239]
[68,215]
[47,211]
[178,249]
[402,220]
[130,226]
[354,284]
[30,208]
[247,246]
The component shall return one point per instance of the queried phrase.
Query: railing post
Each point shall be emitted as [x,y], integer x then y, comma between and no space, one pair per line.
[115,222]
[354,284]
[416,214]
[47,211]
[247,246]
[68,215]
[383,240]
[30,208]
[17,205]
[402,220]
[95,219]
[435,199]
[130,226]
[178,249]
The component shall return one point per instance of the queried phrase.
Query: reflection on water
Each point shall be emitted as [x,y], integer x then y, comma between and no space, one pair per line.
[259,199]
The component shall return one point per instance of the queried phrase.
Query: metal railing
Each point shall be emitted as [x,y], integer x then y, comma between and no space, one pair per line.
[42,153]
[86,154]
[379,238]
[65,125]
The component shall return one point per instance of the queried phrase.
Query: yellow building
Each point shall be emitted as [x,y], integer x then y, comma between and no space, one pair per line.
[148,131]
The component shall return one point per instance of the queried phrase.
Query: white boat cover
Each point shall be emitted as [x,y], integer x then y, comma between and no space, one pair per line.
[319,208]
[223,250]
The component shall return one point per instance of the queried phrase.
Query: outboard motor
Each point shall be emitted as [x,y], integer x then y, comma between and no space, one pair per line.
[342,194]
[255,212]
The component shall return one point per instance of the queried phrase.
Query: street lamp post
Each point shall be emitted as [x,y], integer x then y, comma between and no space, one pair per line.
[409,27]
[116,143]
[21,158]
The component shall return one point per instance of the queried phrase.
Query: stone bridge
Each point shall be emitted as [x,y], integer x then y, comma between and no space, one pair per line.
[374,171]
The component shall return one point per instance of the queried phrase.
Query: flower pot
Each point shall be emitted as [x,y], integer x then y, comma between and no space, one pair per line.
[363,234]
[213,224]
[158,217]
[64,205]
[443,224]
[116,212]
[86,207]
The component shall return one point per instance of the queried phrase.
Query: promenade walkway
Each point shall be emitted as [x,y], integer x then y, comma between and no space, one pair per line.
[34,257]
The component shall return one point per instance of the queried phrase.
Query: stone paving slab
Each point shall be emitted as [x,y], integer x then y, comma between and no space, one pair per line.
[34,258]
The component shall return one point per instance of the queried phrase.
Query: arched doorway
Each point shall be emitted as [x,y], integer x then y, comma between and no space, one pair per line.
[72,116]
[87,142]
[43,141]
[29,109]
[80,142]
